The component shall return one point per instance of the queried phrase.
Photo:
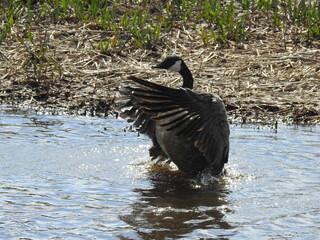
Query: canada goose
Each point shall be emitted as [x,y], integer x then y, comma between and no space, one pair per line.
[186,127]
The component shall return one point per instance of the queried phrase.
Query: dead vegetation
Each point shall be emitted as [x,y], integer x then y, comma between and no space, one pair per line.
[273,78]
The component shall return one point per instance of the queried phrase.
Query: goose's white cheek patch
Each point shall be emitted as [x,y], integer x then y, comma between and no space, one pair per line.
[176,67]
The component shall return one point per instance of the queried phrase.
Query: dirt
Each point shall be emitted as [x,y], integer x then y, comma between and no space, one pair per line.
[271,79]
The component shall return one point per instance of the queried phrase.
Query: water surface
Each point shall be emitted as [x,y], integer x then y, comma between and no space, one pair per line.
[67,177]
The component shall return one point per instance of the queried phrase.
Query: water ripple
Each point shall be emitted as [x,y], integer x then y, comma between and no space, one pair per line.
[67,177]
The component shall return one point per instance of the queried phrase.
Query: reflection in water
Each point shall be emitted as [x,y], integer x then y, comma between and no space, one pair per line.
[175,207]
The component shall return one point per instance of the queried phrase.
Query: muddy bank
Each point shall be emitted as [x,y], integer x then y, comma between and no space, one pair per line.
[269,80]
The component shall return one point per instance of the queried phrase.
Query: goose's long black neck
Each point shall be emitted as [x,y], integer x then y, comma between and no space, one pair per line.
[187,76]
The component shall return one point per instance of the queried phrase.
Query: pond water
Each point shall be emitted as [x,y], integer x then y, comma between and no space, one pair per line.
[69,177]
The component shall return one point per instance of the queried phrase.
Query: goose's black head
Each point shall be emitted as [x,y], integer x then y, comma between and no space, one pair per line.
[172,63]
[176,64]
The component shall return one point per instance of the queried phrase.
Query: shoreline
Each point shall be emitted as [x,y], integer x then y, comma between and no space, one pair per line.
[263,81]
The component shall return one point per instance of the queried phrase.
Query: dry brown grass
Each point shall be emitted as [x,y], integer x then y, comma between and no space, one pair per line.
[270,80]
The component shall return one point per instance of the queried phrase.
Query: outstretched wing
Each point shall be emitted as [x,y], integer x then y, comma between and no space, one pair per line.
[199,117]
[128,109]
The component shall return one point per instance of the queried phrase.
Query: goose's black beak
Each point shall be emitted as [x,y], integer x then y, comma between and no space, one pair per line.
[157,66]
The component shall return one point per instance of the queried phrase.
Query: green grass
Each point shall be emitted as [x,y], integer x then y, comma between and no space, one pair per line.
[144,22]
